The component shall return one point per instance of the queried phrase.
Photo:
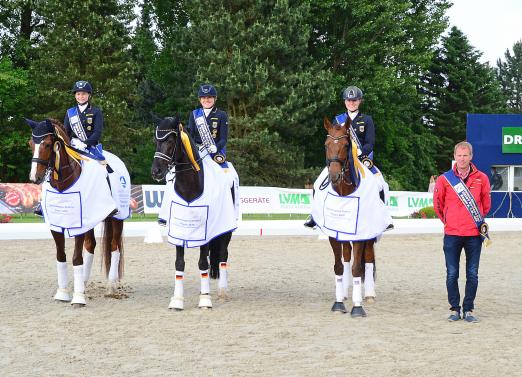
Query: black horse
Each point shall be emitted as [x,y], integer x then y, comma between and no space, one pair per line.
[176,153]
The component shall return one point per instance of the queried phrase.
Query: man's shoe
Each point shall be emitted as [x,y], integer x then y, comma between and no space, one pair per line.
[310,223]
[162,222]
[389,227]
[38,210]
[454,316]
[469,317]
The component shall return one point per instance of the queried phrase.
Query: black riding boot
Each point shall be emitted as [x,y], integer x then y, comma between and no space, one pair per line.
[38,210]
[310,223]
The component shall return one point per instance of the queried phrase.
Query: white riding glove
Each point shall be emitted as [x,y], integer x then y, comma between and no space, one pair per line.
[78,144]
[212,149]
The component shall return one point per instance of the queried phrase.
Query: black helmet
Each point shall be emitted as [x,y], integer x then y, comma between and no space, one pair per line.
[82,86]
[207,90]
[352,93]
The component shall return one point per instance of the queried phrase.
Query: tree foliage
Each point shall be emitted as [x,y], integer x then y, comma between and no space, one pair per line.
[509,73]
[458,84]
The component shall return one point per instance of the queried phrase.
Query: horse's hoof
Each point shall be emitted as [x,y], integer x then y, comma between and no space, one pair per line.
[62,295]
[176,303]
[222,294]
[369,299]
[111,288]
[78,299]
[339,307]
[205,302]
[357,311]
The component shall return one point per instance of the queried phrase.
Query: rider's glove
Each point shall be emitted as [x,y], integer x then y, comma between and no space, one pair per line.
[78,144]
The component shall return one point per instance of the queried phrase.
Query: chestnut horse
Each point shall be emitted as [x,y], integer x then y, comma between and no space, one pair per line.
[174,156]
[338,150]
[54,158]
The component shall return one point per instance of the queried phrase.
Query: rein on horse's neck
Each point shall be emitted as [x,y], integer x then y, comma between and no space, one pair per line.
[189,183]
[66,168]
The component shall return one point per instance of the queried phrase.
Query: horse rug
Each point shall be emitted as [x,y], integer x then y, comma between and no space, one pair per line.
[89,200]
[196,223]
[359,216]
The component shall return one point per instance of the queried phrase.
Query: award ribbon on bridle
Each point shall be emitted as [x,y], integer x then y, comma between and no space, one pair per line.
[203,128]
[469,202]
[76,123]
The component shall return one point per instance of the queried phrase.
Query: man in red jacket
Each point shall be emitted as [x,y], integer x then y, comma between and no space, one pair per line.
[461,200]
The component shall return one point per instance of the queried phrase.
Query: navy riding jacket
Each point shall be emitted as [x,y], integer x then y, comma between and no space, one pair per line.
[217,121]
[92,123]
[364,128]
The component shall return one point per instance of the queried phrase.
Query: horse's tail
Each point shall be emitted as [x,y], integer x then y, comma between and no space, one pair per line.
[112,239]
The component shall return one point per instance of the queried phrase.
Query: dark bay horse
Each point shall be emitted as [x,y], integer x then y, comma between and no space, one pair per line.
[54,158]
[176,152]
[338,149]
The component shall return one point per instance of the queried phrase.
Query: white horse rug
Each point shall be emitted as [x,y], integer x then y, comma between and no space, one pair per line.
[89,200]
[359,216]
[196,223]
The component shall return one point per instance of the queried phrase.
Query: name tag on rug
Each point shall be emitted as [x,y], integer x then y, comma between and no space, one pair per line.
[341,213]
[64,209]
[188,223]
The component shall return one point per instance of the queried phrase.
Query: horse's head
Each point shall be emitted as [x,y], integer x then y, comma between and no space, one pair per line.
[338,148]
[167,131]
[41,143]
[47,140]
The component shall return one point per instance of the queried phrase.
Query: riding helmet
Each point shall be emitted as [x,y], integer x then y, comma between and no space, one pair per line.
[207,90]
[352,93]
[82,86]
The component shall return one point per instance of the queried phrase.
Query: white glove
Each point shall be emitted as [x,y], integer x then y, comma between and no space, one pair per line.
[78,144]
[212,149]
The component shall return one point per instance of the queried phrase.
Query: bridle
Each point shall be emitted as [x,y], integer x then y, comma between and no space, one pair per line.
[50,163]
[342,177]
[171,163]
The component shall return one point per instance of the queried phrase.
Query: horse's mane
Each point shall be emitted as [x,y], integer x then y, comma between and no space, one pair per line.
[60,129]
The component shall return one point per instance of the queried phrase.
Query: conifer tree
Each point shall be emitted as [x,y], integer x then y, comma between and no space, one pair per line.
[459,84]
[509,73]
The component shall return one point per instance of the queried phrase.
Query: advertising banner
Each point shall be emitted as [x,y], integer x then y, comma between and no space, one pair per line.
[23,197]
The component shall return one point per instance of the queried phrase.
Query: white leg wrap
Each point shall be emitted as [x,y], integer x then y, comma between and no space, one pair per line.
[63,278]
[339,293]
[369,282]
[115,263]
[79,286]
[347,277]
[357,292]
[87,265]
[62,294]
[205,282]
[223,278]
[176,301]
[178,284]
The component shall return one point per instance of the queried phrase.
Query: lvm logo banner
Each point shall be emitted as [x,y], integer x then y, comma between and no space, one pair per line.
[511,139]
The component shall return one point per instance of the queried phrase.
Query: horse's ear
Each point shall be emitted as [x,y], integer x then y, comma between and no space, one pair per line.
[327,124]
[157,120]
[31,122]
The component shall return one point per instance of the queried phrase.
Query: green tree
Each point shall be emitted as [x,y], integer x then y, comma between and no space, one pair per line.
[509,73]
[89,40]
[15,91]
[458,84]
[384,48]
[256,53]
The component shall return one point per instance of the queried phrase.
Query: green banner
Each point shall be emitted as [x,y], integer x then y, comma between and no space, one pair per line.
[511,139]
